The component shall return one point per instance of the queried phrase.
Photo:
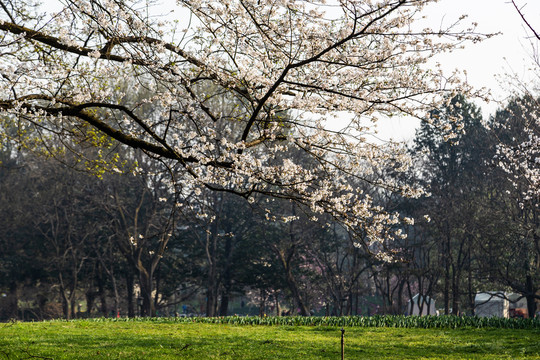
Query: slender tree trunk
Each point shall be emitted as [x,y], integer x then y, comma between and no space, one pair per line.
[65,302]
[73,306]
[456,273]
[13,301]
[531,301]
[224,304]
[212,295]
[352,301]
[211,301]
[400,297]
[116,296]
[262,303]
[212,291]
[292,284]
[102,295]
[129,294]
[276,299]
[286,258]
[446,295]
[409,291]
[90,298]
[157,288]
[212,275]
[388,303]
[226,277]
[470,286]
[145,281]
[421,297]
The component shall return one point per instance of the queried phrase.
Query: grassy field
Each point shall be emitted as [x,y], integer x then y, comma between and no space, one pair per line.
[86,339]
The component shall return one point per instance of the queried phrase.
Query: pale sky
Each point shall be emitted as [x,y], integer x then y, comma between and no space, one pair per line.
[487,61]
[508,52]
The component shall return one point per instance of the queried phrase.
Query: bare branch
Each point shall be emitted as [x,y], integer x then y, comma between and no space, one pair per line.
[525,20]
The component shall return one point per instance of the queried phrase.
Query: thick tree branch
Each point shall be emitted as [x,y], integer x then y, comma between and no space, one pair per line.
[78,111]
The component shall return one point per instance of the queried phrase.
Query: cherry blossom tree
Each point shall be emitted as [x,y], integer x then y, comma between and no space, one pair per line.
[309,76]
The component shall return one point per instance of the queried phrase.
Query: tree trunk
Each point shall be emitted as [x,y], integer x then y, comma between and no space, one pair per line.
[65,303]
[211,301]
[455,291]
[262,303]
[90,298]
[212,274]
[129,295]
[286,257]
[470,286]
[224,304]
[227,278]
[73,306]
[293,287]
[157,288]
[531,300]
[112,278]
[304,311]
[400,297]
[389,302]
[102,295]
[212,291]
[12,301]
[145,281]
[116,296]
[446,295]
[411,301]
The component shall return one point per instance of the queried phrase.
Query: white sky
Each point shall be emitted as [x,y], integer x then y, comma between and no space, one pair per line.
[509,52]
[487,61]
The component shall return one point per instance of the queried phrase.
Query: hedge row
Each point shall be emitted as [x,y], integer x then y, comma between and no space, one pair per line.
[398,321]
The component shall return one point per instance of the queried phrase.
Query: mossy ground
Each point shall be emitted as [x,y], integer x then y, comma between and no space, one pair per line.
[171,340]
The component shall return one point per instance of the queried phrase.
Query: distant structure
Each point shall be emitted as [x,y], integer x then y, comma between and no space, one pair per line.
[491,303]
[421,301]
[500,304]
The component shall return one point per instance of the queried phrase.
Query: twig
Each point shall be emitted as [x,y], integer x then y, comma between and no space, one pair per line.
[525,20]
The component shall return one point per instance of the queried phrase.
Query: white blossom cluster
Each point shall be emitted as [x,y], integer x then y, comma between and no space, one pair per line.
[242,95]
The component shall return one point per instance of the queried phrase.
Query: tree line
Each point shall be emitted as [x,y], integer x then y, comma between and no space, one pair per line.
[197,154]
[124,242]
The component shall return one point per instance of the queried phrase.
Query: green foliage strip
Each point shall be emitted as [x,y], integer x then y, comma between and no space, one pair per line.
[396,321]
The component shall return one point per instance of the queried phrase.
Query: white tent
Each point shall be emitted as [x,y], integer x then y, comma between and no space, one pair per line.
[424,301]
[492,303]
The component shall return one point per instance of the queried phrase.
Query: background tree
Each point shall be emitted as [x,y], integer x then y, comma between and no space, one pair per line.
[21,258]
[142,213]
[454,170]
[518,132]
[515,254]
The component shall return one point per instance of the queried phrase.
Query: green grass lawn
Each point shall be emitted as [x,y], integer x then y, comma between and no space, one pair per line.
[86,339]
